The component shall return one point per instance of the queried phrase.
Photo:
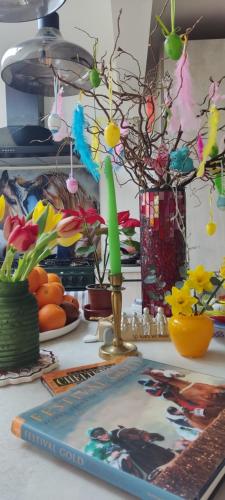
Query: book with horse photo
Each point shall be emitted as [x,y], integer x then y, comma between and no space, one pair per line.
[154,430]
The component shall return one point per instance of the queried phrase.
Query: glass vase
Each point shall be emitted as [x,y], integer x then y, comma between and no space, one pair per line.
[163,247]
[19,330]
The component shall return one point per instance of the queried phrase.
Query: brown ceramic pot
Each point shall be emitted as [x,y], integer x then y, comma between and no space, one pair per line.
[99,299]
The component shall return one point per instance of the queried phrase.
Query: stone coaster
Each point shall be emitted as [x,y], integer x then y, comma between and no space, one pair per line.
[46,363]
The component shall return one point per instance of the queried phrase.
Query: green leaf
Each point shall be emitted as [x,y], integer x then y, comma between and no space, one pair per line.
[128,231]
[85,250]
[41,222]
[132,243]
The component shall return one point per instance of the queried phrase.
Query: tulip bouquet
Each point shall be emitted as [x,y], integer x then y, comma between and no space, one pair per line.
[92,225]
[197,293]
[34,237]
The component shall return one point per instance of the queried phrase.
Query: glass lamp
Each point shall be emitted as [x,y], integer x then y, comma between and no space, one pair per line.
[15,11]
[30,66]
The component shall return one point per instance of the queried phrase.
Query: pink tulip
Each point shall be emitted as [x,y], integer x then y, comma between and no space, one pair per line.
[10,223]
[23,236]
[68,227]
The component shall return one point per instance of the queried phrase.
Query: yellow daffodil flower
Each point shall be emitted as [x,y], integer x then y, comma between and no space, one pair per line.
[52,219]
[2,206]
[67,242]
[181,301]
[199,279]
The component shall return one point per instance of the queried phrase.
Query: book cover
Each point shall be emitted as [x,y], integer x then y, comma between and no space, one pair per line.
[60,381]
[152,429]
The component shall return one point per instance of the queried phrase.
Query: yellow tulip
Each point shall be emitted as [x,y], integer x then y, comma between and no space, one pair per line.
[52,219]
[2,206]
[67,242]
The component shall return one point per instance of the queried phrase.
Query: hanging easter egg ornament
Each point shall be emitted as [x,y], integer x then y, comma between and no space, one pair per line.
[211,226]
[54,120]
[71,182]
[54,123]
[173,44]
[112,134]
[94,76]
[112,131]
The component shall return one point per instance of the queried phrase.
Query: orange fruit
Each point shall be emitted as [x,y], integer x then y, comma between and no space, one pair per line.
[42,275]
[51,317]
[72,300]
[59,285]
[33,280]
[53,278]
[49,293]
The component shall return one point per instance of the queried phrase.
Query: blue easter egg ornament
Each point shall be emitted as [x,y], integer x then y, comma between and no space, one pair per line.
[221,202]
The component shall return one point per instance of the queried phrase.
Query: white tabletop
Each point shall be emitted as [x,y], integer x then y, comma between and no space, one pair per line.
[29,474]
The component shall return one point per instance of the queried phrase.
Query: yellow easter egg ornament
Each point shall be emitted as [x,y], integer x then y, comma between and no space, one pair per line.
[211,228]
[112,134]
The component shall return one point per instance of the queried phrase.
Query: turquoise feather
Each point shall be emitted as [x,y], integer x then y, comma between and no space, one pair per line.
[80,144]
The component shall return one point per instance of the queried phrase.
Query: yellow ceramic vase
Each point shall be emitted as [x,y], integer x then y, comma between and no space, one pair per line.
[191,334]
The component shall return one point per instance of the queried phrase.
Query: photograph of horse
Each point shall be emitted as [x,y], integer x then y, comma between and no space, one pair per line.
[22,189]
[201,403]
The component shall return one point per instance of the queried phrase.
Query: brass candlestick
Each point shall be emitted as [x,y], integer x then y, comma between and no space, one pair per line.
[118,346]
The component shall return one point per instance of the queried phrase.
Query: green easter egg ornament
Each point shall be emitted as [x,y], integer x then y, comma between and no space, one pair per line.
[94,78]
[173,46]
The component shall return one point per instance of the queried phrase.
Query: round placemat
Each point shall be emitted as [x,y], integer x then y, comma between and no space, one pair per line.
[46,363]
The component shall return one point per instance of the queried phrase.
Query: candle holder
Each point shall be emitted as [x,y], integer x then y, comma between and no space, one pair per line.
[118,346]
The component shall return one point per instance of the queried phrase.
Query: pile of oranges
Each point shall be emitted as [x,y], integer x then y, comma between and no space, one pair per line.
[56,309]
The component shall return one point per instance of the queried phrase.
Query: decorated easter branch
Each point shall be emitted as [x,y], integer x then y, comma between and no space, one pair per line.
[142,121]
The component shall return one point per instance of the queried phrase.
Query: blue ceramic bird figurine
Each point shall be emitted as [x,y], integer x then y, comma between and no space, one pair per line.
[180,161]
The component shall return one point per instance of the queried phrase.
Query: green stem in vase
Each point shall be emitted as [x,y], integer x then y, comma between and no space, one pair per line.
[212,296]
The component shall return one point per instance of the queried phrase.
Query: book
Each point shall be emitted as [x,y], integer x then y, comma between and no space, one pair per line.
[154,430]
[62,380]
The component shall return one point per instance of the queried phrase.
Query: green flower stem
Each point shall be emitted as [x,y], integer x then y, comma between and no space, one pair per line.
[5,271]
[96,259]
[212,296]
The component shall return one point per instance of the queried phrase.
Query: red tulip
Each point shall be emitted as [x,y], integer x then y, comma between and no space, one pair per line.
[10,223]
[23,236]
[68,227]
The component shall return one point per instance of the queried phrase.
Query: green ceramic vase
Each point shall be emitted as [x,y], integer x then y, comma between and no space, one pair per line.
[19,331]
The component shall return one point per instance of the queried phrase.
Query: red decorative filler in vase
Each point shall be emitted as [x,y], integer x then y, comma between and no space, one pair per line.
[163,249]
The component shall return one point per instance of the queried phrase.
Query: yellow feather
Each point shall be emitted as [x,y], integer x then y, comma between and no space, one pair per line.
[214,117]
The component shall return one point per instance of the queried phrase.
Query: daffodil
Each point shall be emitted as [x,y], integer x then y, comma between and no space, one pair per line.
[181,301]
[52,217]
[200,280]
[2,206]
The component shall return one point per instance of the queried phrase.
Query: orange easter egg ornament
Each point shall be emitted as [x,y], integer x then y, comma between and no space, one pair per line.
[112,134]
[211,228]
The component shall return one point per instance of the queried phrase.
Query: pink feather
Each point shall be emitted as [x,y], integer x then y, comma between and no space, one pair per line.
[200,147]
[58,108]
[183,108]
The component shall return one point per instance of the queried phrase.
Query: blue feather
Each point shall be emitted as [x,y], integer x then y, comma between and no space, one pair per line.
[81,145]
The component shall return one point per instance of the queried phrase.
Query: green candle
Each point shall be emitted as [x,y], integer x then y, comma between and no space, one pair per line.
[113,229]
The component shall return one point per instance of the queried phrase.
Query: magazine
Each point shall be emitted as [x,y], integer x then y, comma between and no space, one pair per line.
[154,430]
[62,380]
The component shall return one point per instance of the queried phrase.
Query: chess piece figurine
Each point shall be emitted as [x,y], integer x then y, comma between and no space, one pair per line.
[125,327]
[135,325]
[161,322]
[147,322]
